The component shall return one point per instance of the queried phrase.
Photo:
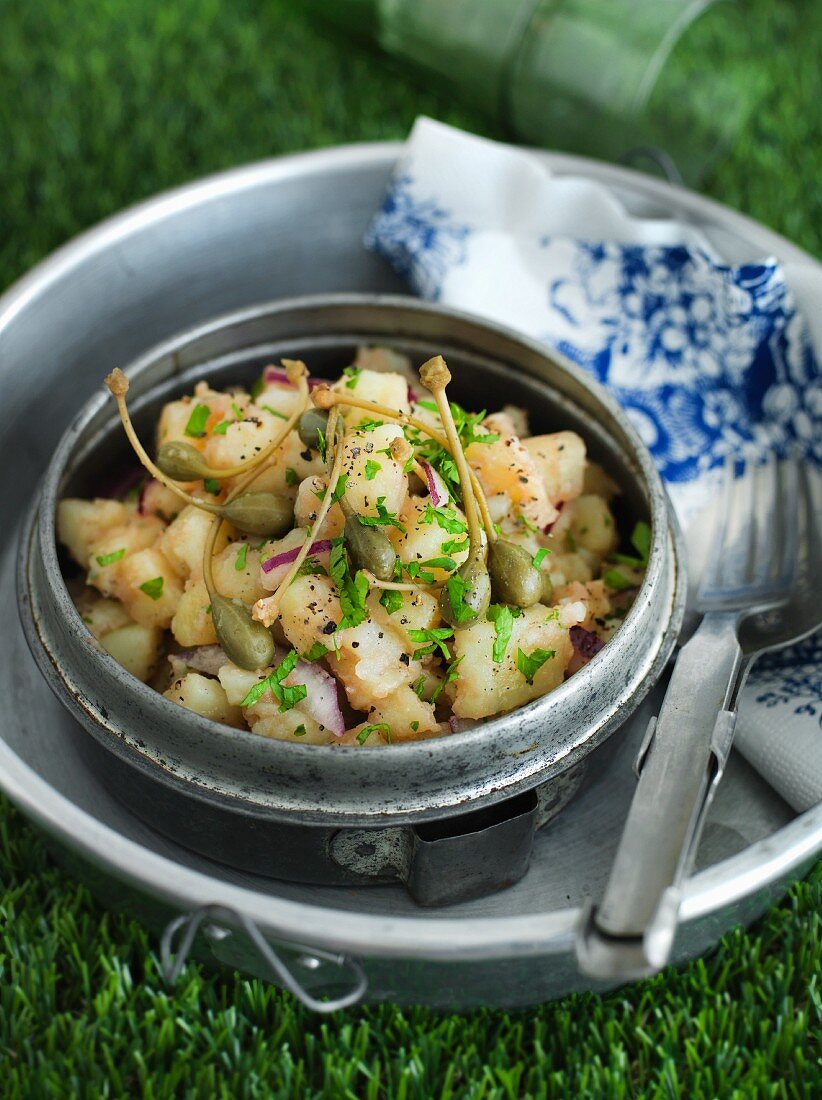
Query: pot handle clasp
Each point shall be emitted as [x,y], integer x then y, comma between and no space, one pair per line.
[172,961]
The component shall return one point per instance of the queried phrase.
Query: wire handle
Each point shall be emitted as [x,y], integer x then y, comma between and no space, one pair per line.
[172,962]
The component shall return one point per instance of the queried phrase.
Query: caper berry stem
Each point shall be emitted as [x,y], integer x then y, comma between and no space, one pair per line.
[399,586]
[267,609]
[326,398]
[118,384]
[435,376]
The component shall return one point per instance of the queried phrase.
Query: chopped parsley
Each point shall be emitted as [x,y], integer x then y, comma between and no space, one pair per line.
[455,546]
[372,468]
[352,375]
[300,731]
[291,476]
[432,640]
[221,428]
[197,421]
[419,687]
[353,591]
[315,653]
[503,619]
[153,588]
[391,600]
[321,445]
[375,727]
[383,518]
[529,664]
[312,567]
[257,388]
[616,580]
[415,726]
[235,408]
[212,485]
[456,588]
[274,412]
[446,518]
[526,523]
[540,556]
[242,554]
[570,542]
[369,425]
[110,559]
[451,675]
[641,542]
[286,696]
[339,488]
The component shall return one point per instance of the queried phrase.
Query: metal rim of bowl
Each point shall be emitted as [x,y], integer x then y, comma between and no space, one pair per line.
[755,868]
[398,796]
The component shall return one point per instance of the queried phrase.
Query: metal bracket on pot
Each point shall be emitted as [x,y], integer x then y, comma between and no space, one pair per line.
[172,963]
[452,860]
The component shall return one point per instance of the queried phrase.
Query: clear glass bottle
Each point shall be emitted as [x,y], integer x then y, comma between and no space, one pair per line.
[598,77]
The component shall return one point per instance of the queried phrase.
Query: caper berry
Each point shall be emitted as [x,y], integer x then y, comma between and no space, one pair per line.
[473,602]
[311,422]
[514,579]
[245,642]
[182,462]
[260,513]
[370,548]
[547,594]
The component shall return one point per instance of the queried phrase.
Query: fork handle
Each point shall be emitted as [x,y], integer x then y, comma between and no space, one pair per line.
[630,934]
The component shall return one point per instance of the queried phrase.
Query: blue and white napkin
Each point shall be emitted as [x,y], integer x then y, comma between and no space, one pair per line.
[709,357]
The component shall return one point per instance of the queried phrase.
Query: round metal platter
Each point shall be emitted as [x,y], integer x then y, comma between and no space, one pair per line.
[277,229]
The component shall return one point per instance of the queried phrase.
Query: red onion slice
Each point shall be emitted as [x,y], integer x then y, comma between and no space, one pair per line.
[208,659]
[436,486]
[585,642]
[549,526]
[288,557]
[321,702]
[459,724]
[277,374]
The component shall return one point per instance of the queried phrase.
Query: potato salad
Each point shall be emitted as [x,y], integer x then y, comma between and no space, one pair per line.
[356,563]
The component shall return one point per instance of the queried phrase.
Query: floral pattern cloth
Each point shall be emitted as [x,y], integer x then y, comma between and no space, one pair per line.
[710,359]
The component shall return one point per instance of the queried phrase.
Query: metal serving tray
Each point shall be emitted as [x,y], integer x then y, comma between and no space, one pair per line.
[280,228]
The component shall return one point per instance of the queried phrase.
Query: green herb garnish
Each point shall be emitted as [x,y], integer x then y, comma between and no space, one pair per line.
[315,653]
[312,567]
[153,588]
[375,727]
[616,580]
[433,640]
[451,675]
[529,664]
[197,421]
[212,485]
[371,469]
[291,476]
[321,444]
[110,559]
[300,731]
[274,412]
[540,556]
[352,375]
[287,697]
[391,600]
[353,591]
[503,619]
[339,488]
[383,518]
[242,554]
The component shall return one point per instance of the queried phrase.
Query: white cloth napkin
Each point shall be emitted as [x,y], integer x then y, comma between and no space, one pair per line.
[709,358]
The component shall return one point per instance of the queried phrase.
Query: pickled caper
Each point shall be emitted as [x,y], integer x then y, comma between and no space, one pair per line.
[514,579]
[182,462]
[260,513]
[463,604]
[370,549]
[547,594]
[311,422]
[245,642]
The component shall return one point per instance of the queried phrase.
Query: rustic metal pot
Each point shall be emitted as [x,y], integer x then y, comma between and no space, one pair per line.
[249,801]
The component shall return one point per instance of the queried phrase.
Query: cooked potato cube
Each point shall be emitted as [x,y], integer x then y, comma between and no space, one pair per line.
[205,696]
[135,646]
[81,523]
[151,588]
[192,623]
[560,459]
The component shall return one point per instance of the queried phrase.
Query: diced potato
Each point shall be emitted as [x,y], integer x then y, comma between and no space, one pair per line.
[192,623]
[484,687]
[590,523]
[102,616]
[138,533]
[264,717]
[423,539]
[282,397]
[599,483]
[205,696]
[135,646]
[419,611]
[239,584]
[565,568]
[291,456]
[183,541]
[382,387]
[176,414]
[309,612]
[307,508]
[242,439]
[156,606]
[399,709]
[505,466]
[383,479]
[158,500]
[81,523]
[560,459]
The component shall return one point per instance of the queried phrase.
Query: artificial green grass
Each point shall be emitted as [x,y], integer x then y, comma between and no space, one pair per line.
[103,102]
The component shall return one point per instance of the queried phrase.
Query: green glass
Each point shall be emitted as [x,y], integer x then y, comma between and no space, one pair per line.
[599,77]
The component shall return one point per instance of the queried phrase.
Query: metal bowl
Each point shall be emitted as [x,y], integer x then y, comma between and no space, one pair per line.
[229,772]
[294,225]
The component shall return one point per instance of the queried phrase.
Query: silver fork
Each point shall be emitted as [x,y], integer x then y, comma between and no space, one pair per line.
[745,587]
